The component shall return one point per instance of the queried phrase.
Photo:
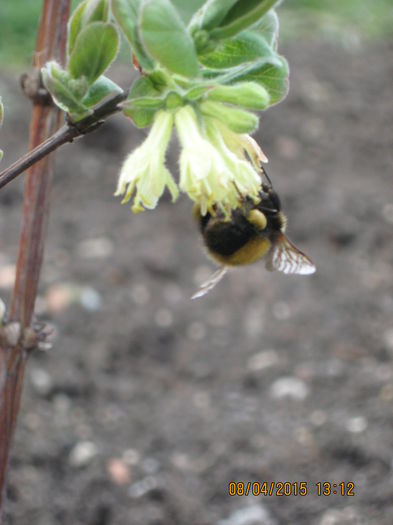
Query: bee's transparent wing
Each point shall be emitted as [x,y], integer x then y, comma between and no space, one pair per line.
[210,283]
[285,257]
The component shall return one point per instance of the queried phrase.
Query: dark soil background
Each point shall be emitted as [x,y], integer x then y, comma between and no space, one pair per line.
[149,404]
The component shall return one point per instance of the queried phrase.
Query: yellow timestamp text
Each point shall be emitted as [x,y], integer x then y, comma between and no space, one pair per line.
[290,488]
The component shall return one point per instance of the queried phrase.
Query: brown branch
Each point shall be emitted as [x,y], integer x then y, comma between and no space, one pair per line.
[67,133]
[51,43]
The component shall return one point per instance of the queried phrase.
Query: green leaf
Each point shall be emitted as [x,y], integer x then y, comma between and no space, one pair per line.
[1,111]
[237,120]
[142,87]
[211,14]
[75,25]
[186,8]
[95,48]
[273,77]
[197,92]
[242,15]
[96,11]
[249,95]
[86,12]
[268,27]
[166,38]
[66,92]
[246,47]
[102,88]
[142,118]
[126,13]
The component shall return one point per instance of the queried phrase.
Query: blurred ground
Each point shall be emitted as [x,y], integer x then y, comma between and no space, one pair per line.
[150,404]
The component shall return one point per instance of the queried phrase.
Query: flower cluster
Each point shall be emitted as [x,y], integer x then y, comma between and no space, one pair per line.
[217,165]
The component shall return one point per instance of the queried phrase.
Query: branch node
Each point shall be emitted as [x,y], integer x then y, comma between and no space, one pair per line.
[34,89]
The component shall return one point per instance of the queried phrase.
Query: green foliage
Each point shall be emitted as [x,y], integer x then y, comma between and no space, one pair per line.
[101,89]
[235,119]
[247,94]
[213,62]
[126,13]
[166,38]
[95,48]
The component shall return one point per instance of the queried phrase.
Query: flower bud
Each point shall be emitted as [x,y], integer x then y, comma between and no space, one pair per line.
[237,120]
[247,94]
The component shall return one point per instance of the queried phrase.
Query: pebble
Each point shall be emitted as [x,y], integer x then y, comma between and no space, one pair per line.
[262,360]
[289,387]
[90,299]
[356,425]
[252,515]
[41,381]
[346,516]
[140,488]
[131,456]
[119,472]
[7,276]
[59,297]
[98,248]
[82,454]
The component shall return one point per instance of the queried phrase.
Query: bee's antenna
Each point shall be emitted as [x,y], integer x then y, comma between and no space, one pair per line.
[267,176]
[242,198]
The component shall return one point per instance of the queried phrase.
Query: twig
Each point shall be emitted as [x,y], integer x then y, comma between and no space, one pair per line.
[51,44]
[66,133]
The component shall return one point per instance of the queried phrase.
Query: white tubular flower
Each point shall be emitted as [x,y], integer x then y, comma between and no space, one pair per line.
[209,172]
[232,146]
[144,169]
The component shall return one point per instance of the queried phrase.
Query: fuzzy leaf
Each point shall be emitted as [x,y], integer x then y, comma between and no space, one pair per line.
[273,77]
[166,38]
[244,48]
[126,13]
[211,14]
[86,12]
[249,95]
[75,25]
[96,11]
[65,92]
[268,27]
[242,15]
[142,118]
[102,88]
[187,8]
[95,48]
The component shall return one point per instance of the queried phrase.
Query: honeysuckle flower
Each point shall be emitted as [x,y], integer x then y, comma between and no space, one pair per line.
[210,173]
[144,170]
[245,177]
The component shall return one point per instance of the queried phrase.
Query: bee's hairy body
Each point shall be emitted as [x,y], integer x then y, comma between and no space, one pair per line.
[254,231]
[247,235]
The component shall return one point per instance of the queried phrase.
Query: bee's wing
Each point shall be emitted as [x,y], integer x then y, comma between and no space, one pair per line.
[210,283]
[285,257]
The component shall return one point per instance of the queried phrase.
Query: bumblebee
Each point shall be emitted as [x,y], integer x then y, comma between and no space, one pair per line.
[254,231]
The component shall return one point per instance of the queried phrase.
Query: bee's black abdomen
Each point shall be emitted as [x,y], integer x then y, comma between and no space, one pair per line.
[227,237]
